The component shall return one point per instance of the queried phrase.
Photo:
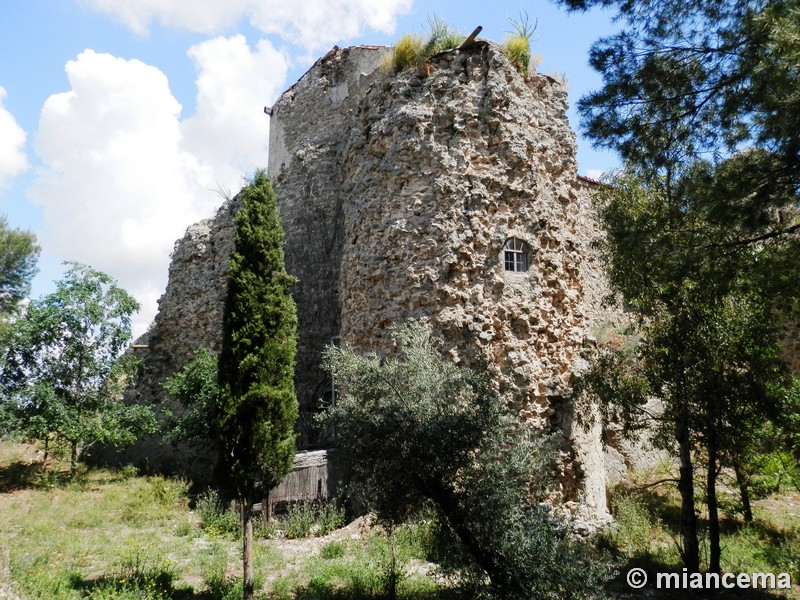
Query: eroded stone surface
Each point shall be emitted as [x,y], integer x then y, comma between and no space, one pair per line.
[443,168]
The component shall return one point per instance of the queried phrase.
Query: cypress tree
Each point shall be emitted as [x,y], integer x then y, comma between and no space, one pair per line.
[257,405]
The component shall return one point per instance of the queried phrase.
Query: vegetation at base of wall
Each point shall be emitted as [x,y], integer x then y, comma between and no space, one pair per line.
[425,436]
[412,50]
[302,520]
[316,518]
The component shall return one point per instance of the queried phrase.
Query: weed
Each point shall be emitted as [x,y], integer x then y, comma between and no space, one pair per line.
[216,519]
[299,521]
[518,51]
[127,472]
[222,587]
[411,51]
[333,549]
[441,37]
[312,518]
[330,517]
[517,46]
[635,523]
[184,528]
[406,53]
[264,528]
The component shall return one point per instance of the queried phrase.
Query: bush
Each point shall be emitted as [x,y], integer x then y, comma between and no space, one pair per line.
[423,435]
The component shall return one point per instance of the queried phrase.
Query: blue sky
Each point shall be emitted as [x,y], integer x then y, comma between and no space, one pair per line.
[122,120]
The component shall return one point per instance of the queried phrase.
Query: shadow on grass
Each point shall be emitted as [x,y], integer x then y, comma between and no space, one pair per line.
[160,586]
[25,475]
[329,592]
[667,509]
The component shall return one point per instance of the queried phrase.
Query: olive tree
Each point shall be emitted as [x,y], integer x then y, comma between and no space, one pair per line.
[423,434]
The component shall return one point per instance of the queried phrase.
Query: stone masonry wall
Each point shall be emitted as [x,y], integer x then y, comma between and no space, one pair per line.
[442,168]
[309,129]
[189,318]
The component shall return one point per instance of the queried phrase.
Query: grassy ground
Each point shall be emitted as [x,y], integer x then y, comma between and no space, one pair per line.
[109,535]
[646,536]
[115,535]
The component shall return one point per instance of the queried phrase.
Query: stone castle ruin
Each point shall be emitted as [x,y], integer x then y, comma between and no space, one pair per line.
[448,194]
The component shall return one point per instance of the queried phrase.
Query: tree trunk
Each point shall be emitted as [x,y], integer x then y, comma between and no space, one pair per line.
[742,480]
[247,547]
[46,453]
[73,457]
[713,508]
[691,547]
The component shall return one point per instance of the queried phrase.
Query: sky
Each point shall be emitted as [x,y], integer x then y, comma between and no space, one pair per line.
[122,122]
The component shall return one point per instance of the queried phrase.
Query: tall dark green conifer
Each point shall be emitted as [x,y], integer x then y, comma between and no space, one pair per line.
[258,405]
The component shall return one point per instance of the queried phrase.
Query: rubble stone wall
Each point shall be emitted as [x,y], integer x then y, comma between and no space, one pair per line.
[443,167]
[309,129]
[189,318]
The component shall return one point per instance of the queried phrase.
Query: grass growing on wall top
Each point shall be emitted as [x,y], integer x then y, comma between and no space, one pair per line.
[412,50]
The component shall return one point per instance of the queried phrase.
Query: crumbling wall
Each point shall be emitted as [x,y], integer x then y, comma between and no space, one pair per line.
[444,165]
[189,318]
[309,129]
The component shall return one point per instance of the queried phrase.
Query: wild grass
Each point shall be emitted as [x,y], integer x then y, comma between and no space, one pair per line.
[646,533]
[115,535]
[517,44]
[411,50]
[361,569]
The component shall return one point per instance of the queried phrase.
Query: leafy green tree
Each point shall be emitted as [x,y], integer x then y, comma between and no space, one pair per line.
[258,406]
[64,375]
[18,256]
[709,346]
[196,388]
[700,80]
[701,99]
[422,434]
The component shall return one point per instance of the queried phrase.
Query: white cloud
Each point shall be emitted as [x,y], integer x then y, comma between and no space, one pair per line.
[123,176]
[314,25]
[230,129]
[12,145]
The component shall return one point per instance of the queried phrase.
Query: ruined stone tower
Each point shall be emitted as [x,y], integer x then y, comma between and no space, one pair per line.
[448,194]
[451,195]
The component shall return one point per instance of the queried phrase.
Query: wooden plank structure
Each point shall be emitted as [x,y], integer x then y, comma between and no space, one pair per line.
[314,476]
